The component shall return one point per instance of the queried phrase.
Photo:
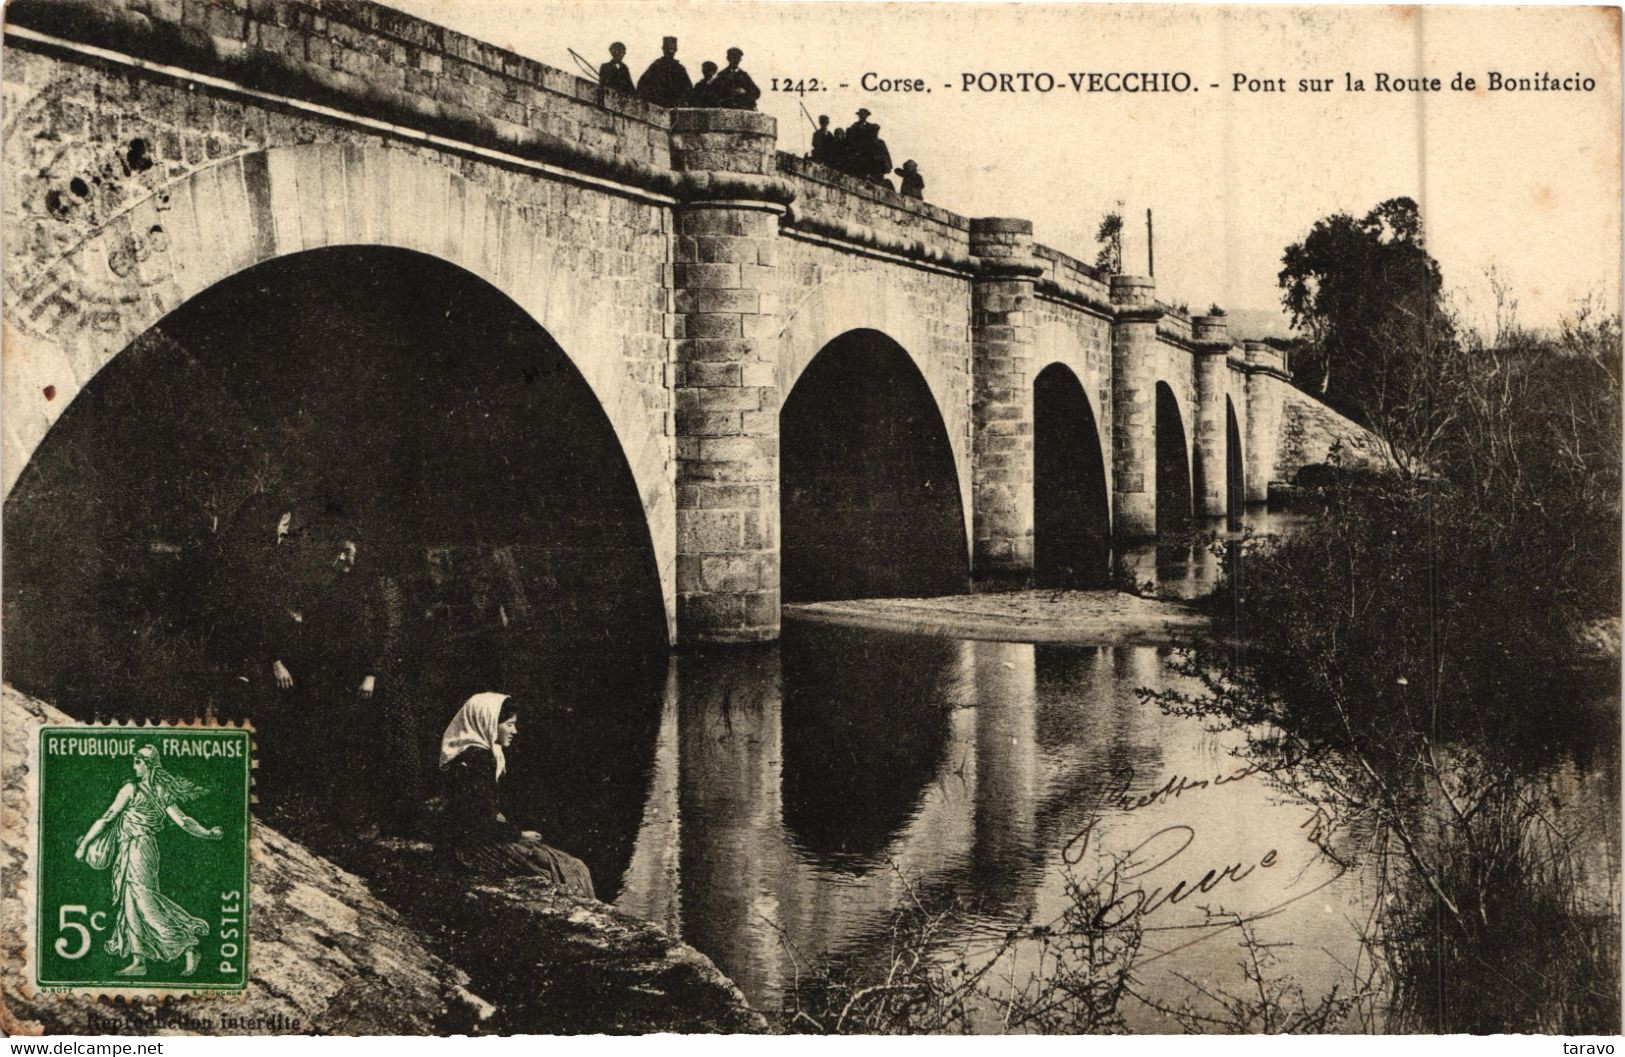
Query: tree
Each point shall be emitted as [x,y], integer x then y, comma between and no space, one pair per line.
[1110,235]
[1421,658]
[1365,292]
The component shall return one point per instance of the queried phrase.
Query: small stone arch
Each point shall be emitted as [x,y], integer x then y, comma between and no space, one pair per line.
[868,301]
[1235,464]
[1172,451]
[87,306]
[1056,343]
[1071,493]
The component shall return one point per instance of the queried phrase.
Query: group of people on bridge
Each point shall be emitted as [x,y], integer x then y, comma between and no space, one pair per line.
[666,82]
[858,150]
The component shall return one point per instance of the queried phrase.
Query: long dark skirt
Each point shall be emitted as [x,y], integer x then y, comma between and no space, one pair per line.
[528,858]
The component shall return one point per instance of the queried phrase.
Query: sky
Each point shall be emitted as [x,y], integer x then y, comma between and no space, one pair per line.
[1526,183]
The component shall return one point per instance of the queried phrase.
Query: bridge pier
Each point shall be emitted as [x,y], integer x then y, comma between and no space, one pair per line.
[1212,339]
[1266,375]
[1134,406]
[725,326]
[1002,335]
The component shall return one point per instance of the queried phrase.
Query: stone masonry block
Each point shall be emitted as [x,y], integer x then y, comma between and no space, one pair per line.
[700,220]
[762,608]
[689,568]
[761,530]
[716,496]
[758,423]
[709,374]
[703,299]
[758,277]
[710,611]
[715,350]
[707,424]
[730,572]
[709,325]
[709,531]
[719,399]
[761,327]
[721,248]
[712,276]
[749,451]
[758,373]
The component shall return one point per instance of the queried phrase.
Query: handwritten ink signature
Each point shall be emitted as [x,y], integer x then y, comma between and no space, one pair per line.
[1153,853]
[1174,787]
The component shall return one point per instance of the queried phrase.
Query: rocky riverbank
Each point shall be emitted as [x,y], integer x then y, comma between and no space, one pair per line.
[399,950]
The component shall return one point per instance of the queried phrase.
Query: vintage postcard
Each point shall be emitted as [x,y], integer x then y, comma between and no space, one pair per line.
[527,517]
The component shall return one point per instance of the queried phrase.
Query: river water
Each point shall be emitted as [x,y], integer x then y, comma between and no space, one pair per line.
[779,806]
[802,796]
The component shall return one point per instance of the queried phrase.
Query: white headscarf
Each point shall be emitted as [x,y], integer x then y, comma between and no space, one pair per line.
[475,727]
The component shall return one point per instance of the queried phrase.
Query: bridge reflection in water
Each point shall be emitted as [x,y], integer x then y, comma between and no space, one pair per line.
[803,794]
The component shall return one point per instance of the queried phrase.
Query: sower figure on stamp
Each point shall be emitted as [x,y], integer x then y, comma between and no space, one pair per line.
[148,923]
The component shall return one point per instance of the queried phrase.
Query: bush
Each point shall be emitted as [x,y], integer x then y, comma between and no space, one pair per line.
[1413,666]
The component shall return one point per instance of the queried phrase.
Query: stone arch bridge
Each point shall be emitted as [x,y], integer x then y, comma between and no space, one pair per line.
[748,325]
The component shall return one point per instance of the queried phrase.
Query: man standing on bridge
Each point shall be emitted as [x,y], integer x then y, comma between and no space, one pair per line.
[665,82]
[735,89]
[614,74]
[823,142]
[704,94]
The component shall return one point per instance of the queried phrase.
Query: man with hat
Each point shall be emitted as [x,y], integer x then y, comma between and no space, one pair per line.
[665,82]
[869,159]
[735,89]
[614,74]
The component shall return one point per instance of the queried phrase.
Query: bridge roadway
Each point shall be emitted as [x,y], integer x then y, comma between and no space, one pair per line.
[690,271]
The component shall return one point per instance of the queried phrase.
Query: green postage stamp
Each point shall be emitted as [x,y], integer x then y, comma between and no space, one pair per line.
[142,868]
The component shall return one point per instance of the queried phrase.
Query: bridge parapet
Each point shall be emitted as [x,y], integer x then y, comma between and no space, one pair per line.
[1262,357]
[1073,281]
[830,204]
[363,59]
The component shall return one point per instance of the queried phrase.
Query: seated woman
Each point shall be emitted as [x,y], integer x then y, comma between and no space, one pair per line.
[473,829]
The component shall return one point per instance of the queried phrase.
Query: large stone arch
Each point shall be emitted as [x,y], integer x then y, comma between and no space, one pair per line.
[91,303]
[867,301]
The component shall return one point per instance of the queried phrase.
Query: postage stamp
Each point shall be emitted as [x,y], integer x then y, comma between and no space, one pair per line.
[142,868]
